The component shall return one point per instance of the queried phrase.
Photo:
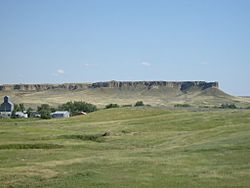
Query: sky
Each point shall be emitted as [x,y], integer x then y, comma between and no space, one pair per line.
[62,41]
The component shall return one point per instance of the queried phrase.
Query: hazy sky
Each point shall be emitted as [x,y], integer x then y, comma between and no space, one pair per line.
[56,41]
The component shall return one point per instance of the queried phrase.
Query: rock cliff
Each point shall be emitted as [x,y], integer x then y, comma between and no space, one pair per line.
[183,86]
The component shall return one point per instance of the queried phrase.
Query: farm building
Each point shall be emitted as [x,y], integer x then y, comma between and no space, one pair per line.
[60,114]
[35,115]
[6,107]
[21,115]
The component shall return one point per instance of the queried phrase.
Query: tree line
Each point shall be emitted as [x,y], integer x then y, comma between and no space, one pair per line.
[45,110]
[75,108]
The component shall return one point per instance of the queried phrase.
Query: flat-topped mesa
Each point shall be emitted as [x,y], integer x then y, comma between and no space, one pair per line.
[183,86]
[43,87]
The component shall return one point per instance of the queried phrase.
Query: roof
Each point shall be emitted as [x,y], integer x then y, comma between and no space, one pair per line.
[60,112]
[21,114]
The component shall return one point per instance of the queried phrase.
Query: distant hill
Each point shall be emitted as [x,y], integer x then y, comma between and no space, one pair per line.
[155,93]
[183,86]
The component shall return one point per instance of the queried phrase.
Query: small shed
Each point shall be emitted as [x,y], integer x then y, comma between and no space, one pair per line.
[21,115]
[60,114]
[35,115]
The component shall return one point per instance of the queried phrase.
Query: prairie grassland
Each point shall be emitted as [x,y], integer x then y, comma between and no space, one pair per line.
[103,96]
[144,147]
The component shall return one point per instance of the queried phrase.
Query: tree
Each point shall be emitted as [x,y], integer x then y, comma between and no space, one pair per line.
[45,114]
[112,106]
[17,108]
[29,110]
[45,111]
[77,106]
[139,103]
[231,106]
[182,105]
[22,108]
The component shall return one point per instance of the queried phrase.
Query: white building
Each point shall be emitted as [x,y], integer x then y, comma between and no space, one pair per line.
[21,115]
[60,114]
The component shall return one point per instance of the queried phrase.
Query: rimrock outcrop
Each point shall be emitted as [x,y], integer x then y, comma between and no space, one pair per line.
[183,86]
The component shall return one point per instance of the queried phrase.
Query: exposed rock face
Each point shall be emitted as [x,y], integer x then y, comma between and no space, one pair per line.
[43,87]
[183,86]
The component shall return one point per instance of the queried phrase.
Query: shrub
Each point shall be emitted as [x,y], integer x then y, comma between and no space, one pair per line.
[182,105]
[30,146]
[127,105]
[91,137]
[112,106]
[230,106]
[139,103]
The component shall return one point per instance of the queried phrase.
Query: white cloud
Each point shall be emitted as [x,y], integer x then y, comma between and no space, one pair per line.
[60,71]
[146,64]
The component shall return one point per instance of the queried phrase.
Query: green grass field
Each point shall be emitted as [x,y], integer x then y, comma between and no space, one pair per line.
[146,147]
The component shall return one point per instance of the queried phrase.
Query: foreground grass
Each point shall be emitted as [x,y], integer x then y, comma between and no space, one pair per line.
[144,147]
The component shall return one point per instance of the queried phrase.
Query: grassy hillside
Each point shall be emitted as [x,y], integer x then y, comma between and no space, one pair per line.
[142,147]
[103,96]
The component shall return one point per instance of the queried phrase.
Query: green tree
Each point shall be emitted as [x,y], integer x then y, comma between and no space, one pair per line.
[231,106]
[182,105]
[29,110]
[22,108]
[139,103]
[77,106]
[112,106]
[45,111]
[17,108]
